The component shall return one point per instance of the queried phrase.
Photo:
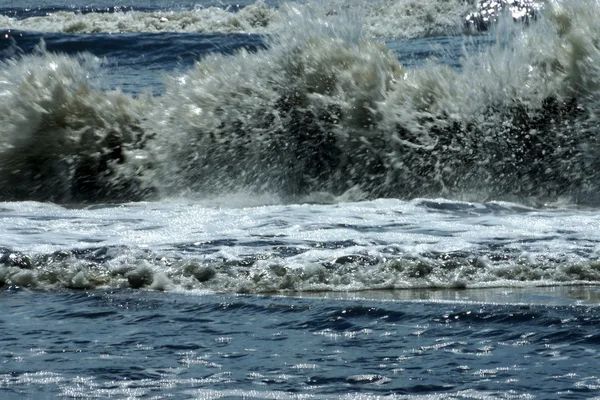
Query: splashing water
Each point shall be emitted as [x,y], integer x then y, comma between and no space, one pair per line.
[322,109]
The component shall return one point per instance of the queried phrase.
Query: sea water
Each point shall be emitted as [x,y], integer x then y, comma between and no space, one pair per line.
[382,199]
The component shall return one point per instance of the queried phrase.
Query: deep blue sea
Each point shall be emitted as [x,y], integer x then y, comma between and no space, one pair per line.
[385,199]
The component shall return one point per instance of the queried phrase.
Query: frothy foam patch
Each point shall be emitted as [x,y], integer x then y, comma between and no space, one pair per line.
[252,18]
[314,269]
[384,244]
[413,19]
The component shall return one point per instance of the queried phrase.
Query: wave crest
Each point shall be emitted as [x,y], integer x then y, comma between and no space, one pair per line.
[62,139]
[322,109]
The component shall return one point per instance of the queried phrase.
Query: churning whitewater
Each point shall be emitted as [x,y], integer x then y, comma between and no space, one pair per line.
[383,244]
[321,107]
[385,19]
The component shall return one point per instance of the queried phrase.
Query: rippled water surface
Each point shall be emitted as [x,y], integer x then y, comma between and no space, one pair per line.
[132,344]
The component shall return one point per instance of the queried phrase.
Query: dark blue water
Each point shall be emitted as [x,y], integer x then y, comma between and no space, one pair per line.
[146,50]
[132,344]
[133,62]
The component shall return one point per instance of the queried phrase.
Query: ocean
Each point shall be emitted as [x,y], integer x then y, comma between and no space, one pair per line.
[386,199]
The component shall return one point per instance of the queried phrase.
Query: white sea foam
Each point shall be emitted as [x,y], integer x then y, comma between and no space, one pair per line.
[253,18]
[384,244]
[395,19]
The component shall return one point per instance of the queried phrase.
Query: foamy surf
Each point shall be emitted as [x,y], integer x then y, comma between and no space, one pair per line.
[384,244]
[252,18]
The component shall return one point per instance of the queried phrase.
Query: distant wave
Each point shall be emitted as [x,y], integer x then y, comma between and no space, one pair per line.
[322,109]
[391,19]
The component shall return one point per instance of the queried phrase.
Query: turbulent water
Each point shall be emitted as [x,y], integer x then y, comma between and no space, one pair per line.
[314,104]
[419,178]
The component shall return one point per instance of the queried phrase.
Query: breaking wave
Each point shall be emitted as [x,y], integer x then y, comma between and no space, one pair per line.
[105,267]
[62,139]
[322,109]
